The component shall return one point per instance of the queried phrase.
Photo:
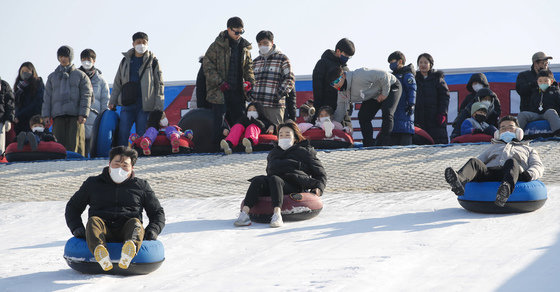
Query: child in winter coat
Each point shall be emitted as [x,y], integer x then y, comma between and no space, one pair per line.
[544,103]
[486,96]
[477,124]
[39,132]
[506,160]
[248,129]
[157,122]
[324,121]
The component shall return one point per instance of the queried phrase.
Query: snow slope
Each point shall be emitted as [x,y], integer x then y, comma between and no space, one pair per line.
[414,241]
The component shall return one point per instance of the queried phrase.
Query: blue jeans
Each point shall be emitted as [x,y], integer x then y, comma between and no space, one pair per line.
[131,114]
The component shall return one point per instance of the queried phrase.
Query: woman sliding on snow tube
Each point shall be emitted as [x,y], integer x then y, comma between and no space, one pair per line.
[292,167]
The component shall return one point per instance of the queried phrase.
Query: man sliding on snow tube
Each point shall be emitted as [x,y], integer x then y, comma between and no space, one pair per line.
[506,160]
[116,199]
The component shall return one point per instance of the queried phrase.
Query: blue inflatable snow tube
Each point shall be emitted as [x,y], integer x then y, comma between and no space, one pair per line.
[526,197]
[105,131]
[536,128]
[149,258]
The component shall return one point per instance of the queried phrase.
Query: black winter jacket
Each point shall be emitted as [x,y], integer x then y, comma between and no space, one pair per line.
[323,92]
[115,203]
[479,78]
[432,99]
[550,99]
[298,165]
[526,85]
[492,118]
[7,102]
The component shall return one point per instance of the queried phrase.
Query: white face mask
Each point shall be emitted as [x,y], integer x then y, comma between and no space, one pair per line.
[324,119]
[253,114]
[87,65]
[141,48]
[38,129]
[264,49]
[164,122]
[285,143]
[118,175]
[477,87]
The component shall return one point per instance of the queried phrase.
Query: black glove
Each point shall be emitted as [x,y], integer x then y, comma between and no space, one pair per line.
[525,176]
[150,234]
[79,232]
[410,109]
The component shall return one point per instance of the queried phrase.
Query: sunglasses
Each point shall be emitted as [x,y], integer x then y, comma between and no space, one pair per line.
[242,31]
[337,80]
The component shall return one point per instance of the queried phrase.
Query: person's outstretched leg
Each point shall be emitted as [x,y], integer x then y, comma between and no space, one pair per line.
[258,187]
[173,135]
[232,139]
[32,141]
[96,233]
[457,180]
[132,235]
[251,137]
[553,119]
[511,171]
[148,139]
[21,140]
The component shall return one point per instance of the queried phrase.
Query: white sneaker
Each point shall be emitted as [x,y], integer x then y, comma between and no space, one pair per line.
[225,146]
[101,255]
[276,220]
[328,126]
[242,220]
[127,254]
[248,145]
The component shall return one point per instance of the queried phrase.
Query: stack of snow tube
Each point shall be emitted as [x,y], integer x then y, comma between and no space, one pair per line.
[472,138]
[45,151]
[162,146]
[318,140]
[296,207]
[105,129]
[535,129]
[149,258]
[526,197]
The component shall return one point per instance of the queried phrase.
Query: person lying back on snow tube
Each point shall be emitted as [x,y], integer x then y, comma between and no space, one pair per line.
[477,124]
[249,127]
[292,167]
[38,133]
[506,160]
[158,120]
[324,121]
[116,199]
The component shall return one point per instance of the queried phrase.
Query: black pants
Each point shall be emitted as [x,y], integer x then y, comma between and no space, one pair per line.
[269,185]
[369,109]
[228,113]
[476,170]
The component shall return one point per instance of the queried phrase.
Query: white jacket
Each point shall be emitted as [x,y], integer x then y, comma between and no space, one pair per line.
[527,157]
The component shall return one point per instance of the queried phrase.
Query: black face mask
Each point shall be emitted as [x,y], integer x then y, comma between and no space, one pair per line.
[344,59]
[480,118]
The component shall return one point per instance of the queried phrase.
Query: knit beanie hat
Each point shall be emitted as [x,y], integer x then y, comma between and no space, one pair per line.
[478,106]
[65,51]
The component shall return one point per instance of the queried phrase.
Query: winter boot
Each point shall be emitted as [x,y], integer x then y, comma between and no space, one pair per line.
[133,137]
[127,254]
[276,220]
[174,138]
[32,141]
[226,147]
[248,145]
[452,179]
[102,257]
[503,194]
[145,145]
[242,220]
